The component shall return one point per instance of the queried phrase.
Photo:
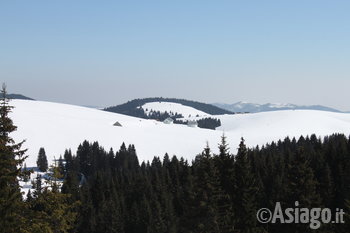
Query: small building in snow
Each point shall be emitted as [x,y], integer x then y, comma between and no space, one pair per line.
[192,123]
[117,124]
[169,120]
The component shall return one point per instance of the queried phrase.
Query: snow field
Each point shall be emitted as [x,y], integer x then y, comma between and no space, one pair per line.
[57,127]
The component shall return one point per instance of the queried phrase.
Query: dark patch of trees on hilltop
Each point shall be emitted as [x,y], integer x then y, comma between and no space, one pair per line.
[132,108]
[161,116]
[209,123]
[18,96]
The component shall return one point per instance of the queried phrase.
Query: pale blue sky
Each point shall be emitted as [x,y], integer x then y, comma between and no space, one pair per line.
[107,52]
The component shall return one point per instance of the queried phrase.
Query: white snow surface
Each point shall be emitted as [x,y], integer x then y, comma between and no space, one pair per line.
[162,107]
[57,127]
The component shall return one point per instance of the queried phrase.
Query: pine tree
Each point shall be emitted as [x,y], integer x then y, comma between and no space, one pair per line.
[42,160]
[11,161]
[246,190]
[301,181]
[301,186]
[224,163]
[37,185]
[26,175]
[202,213]
[29,197]
[61,167]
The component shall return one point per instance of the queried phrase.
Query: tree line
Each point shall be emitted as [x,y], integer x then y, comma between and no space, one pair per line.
[215,193]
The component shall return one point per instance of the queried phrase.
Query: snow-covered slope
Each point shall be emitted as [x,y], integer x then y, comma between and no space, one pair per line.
[162,107]
[59,126]
[260,128]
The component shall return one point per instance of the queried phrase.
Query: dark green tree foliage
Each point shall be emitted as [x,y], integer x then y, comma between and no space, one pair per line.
[26,175]
[224,162]
[41,162]
[11,160]
[205,123]
[161,116]
[216,193]
[209,123]
[49,210]
[302,184]
[245,187]
[301,187]
[37,186]
[202,215]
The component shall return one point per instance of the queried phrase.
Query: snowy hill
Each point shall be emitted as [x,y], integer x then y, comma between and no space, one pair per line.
[59,126]
[133,107]
[162,107]
[252,107]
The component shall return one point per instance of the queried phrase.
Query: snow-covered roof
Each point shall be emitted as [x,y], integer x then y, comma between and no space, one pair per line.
[117,124]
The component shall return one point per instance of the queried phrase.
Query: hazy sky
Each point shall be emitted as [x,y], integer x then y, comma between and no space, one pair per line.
[107,52]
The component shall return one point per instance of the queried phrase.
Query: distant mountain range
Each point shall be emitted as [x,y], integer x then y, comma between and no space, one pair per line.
[252,107]
[18,96]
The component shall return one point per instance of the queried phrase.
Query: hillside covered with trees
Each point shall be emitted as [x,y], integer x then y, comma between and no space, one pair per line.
[133,107]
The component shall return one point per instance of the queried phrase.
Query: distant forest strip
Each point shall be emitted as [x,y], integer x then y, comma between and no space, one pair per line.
[205,123]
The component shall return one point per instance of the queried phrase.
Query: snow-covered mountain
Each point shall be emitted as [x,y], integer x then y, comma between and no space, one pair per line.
[59,126]
[252,107]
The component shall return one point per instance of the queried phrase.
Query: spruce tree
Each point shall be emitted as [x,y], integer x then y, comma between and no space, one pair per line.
[61,167]
[11,160]
[245,199]
[26,175]
[42,160]
[224,163]
[202,215]
[301,186]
